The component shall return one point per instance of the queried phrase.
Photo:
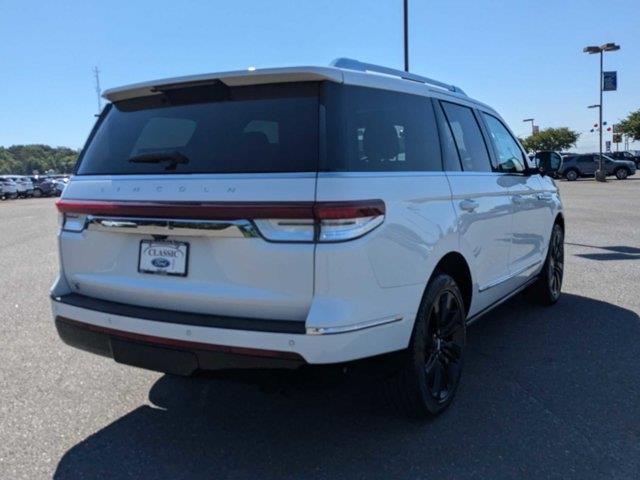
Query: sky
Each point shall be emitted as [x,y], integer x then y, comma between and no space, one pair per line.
[524,58]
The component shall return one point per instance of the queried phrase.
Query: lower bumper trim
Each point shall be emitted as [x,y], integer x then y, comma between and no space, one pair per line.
[166,354]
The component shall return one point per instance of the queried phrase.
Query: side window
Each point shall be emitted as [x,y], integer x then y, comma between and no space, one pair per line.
[379,130]
[474,156]
[450,157]
[556,161]
[510,157]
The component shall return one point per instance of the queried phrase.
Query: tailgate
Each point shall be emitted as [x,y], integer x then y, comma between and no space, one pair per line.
[228,267]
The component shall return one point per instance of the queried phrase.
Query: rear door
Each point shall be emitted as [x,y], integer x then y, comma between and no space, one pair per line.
[382,145]
[186,201]
[587,164]
[482,200]
[531,212]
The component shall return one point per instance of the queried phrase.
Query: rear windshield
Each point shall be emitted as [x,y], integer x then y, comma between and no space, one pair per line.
[208,129]
[302,127]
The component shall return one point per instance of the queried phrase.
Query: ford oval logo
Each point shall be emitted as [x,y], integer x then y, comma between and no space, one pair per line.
[160,262]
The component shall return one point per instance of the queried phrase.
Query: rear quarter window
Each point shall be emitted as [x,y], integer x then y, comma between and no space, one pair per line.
[371,130]
[472,149]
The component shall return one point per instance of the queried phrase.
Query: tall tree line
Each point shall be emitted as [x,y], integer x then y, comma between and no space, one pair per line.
[25,159]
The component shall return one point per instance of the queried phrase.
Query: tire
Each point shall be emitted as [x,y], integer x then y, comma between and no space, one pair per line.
[622,173]
[428,375]
[547,289]
[37,193]
[571,175]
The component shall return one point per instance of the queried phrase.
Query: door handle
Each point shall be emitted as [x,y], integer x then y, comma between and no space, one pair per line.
[468,205]
[544,196]
[518,199]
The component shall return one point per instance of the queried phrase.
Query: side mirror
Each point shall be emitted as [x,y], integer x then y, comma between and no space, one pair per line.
[548,163]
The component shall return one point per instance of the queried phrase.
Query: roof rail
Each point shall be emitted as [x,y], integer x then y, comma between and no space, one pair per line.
[370,67]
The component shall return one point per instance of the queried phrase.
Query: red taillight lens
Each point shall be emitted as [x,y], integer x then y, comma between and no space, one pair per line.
[190,210]
[341,221]
[343,210]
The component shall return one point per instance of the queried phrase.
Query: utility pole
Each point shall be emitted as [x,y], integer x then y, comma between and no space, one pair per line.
[406,35]
[96,74]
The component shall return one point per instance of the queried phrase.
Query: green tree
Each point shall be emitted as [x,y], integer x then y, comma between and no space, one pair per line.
[631,125]
[556,139]
[24,159]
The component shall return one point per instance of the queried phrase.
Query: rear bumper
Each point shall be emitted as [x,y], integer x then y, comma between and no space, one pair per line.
[165,355]
[193,341]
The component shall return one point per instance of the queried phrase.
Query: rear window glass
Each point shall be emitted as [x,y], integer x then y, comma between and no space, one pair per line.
[468,138]
[210,129]
[379,130]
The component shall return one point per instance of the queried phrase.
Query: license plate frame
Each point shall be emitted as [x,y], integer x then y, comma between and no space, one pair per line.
[178,265]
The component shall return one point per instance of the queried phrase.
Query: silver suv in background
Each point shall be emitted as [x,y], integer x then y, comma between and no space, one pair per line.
[8,188]
[24,184]
[285,217]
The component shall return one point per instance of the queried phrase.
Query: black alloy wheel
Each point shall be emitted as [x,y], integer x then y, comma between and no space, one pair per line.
[548,287]
[426,380]
[444,343]
[555,270]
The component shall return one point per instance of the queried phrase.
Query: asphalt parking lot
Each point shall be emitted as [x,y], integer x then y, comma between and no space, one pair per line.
[546,393]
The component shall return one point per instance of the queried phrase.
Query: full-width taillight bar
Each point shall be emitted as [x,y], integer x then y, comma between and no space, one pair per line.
[189,210]
[277,221]
[226,210]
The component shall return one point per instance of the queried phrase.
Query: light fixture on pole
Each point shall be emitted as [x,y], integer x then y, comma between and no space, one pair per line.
[533,128]
[607,47]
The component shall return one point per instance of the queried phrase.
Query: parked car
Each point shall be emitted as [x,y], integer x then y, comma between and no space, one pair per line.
[23,184]
[58,186]
[234,226]
[43,186]
[9,188]
[547,157]
[585,165]
[625,156]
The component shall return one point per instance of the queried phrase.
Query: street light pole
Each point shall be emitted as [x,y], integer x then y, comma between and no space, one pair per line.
[601,176]
[406,35]
[533,129]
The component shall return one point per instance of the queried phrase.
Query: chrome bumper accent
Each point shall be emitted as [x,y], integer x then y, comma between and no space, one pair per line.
[352,328]
[166,226]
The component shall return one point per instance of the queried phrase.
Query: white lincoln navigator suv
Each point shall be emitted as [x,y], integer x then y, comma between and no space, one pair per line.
[312,215]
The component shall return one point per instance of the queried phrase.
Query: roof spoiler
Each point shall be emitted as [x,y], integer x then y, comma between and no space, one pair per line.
[351,64]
